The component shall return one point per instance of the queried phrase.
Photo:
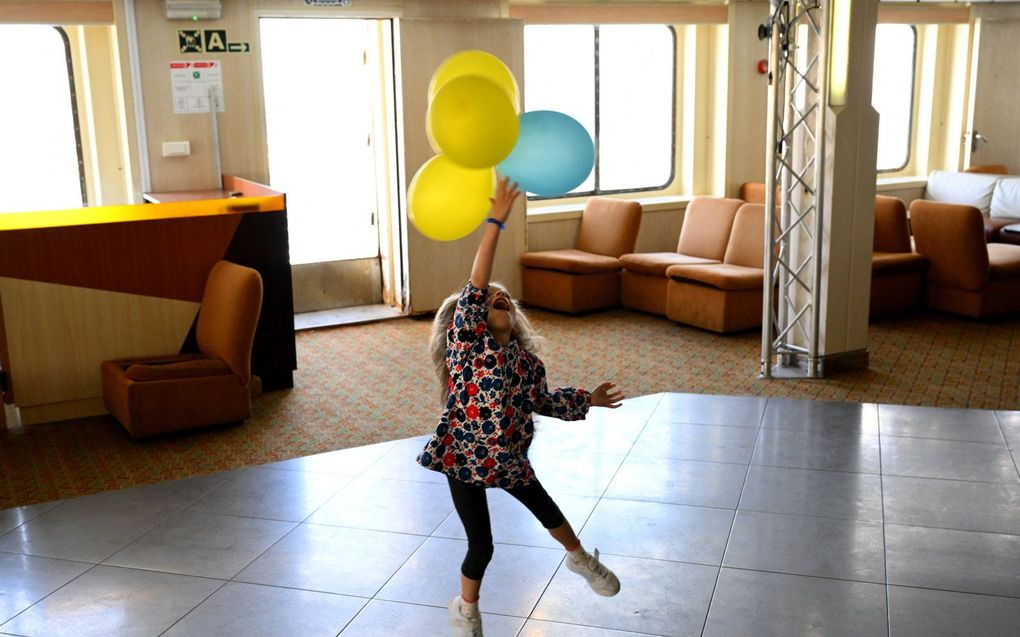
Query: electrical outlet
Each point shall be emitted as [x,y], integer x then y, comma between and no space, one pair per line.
[176,149]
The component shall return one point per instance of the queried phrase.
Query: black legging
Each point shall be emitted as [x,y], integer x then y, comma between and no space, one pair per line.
[473,509]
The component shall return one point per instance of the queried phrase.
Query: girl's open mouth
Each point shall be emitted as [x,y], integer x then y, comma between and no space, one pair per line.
[501,304]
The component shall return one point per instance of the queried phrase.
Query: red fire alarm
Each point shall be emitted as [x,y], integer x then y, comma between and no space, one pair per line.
[763,66]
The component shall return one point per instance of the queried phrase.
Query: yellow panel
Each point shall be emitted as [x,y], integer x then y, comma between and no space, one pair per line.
[58,335]
[140,212]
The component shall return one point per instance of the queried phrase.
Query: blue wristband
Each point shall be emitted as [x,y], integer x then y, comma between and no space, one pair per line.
[502,226]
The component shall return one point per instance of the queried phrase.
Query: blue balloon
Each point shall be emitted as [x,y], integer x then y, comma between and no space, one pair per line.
[554,154]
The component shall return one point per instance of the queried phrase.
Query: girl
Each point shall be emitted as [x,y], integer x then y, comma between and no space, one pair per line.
[492,384]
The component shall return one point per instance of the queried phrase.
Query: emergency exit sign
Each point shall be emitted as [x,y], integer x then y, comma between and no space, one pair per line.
[208,41]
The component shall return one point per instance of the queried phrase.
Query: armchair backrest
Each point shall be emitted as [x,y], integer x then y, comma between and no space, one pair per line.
[609,226]
[746,246]
[706,228]
[989,169]
[752,192]
[952,236]
[229,315]
[892,233]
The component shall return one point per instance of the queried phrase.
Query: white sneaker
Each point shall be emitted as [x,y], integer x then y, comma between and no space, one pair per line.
[601,579]
[464,626]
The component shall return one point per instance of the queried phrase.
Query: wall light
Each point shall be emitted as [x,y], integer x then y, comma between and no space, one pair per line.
[839,51]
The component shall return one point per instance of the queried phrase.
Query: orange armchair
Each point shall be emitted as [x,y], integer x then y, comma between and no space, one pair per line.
[967,276]
[897,272]
[703,236]
[586,277]
[160,394]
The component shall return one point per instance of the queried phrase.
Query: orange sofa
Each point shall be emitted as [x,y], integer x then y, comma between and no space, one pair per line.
[897,272]
[586,277]
[723,297]
[703,238]
[967,275]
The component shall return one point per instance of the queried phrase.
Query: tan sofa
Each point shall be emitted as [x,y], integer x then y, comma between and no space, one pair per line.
[967,275]
[586,277]
[897,272]
[723,297]
[703,238]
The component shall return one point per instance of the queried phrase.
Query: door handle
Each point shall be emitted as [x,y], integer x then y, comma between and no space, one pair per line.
[976,137]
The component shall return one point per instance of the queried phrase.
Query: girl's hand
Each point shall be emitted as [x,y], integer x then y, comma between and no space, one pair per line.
[506,193]
[603,396]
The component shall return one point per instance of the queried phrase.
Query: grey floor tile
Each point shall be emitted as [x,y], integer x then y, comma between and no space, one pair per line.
[917,612]
[535,628]
[201,543]
[10,518]
[94,527]
[267,611]
[24,580]
[673,532]
[938,422]
[348,462]
[949,459]
[387,505]
[514,579]
[838,417]
[1009,421]
[276,495]
[952,504]
[607,437]
[818,547]
[647,602]
[399,463]
[574,473]
[776,605]
[963,561]
[817,449]
[678,482]
[683,441]
[736,411]
[114,601]
[387,619]
[830,494]
[513,523]
[332,560]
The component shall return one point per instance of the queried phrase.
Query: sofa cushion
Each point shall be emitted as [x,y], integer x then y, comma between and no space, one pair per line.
[573,261]
[1003,261]
[173,371]
[723,276]
[656,263]
[971,189]
[1006,198]
[706,227]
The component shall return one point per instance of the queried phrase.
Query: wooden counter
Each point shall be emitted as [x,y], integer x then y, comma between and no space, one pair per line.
[78,287]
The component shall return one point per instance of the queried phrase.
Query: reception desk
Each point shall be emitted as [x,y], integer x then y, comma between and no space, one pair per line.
[81,286]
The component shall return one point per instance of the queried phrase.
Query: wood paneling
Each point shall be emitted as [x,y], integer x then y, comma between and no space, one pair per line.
[57,12]
[623,13]
[59,334]
[436,268]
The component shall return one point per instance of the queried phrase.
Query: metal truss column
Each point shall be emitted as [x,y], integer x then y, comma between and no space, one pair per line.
[795,187]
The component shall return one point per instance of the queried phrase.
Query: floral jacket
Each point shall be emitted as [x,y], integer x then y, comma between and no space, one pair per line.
[486,428]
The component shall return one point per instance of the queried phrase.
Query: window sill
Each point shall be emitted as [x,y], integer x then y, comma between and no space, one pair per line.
[542,214]
[894,183]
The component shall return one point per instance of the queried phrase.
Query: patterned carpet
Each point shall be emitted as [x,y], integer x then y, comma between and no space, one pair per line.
[367,383]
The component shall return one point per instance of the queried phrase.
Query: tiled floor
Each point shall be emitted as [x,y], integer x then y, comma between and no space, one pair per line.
[722,516]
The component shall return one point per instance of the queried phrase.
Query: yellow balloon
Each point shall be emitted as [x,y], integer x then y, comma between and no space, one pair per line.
[472,121]
[447,201]
[480,64]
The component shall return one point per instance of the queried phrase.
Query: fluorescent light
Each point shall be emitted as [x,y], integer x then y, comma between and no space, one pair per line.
[839,51]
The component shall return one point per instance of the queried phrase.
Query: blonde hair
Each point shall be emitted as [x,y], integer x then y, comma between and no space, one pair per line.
[523,332]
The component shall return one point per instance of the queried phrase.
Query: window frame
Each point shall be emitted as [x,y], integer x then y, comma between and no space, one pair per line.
[912,111]
[673,124]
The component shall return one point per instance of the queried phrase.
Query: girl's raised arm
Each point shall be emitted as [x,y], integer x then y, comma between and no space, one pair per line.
[502,203]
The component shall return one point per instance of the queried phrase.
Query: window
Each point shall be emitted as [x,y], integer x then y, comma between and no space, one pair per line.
[41,167]
[618,81]
[893,93]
